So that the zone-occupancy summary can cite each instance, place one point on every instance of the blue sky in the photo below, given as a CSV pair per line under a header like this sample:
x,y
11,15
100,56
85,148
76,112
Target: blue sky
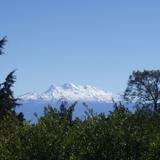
x,y
96,42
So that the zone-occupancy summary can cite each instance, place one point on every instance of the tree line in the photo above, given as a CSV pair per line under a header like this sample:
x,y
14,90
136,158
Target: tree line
x,y
121,135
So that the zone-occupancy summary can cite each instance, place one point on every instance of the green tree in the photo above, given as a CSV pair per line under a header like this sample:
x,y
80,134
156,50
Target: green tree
x,y
2,43
144,88
7,101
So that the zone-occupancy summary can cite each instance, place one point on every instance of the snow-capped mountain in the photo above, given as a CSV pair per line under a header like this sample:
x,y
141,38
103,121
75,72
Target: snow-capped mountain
x,y
97,99
71,92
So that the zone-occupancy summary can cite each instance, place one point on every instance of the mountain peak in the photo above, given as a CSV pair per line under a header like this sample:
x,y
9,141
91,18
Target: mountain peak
x,y
72,92
69,86
51,88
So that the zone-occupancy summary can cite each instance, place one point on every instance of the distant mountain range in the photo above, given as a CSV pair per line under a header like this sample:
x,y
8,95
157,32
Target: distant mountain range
x,y
97,99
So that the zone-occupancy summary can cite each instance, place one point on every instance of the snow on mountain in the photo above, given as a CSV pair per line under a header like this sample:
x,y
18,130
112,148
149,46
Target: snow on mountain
x,y
97,99
71,92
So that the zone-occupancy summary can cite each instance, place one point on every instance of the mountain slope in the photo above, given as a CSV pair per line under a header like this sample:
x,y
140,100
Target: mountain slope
x,y
72,92
97,99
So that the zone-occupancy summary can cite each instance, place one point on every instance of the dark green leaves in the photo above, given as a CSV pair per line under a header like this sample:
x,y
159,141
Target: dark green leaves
x,y
2,43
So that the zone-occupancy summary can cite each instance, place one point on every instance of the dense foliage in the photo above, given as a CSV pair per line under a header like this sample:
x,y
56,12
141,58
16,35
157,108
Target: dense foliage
x,y
120,135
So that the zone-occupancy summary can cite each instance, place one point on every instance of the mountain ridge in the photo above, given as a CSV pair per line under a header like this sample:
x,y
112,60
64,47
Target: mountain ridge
x,y
95,98
72,92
